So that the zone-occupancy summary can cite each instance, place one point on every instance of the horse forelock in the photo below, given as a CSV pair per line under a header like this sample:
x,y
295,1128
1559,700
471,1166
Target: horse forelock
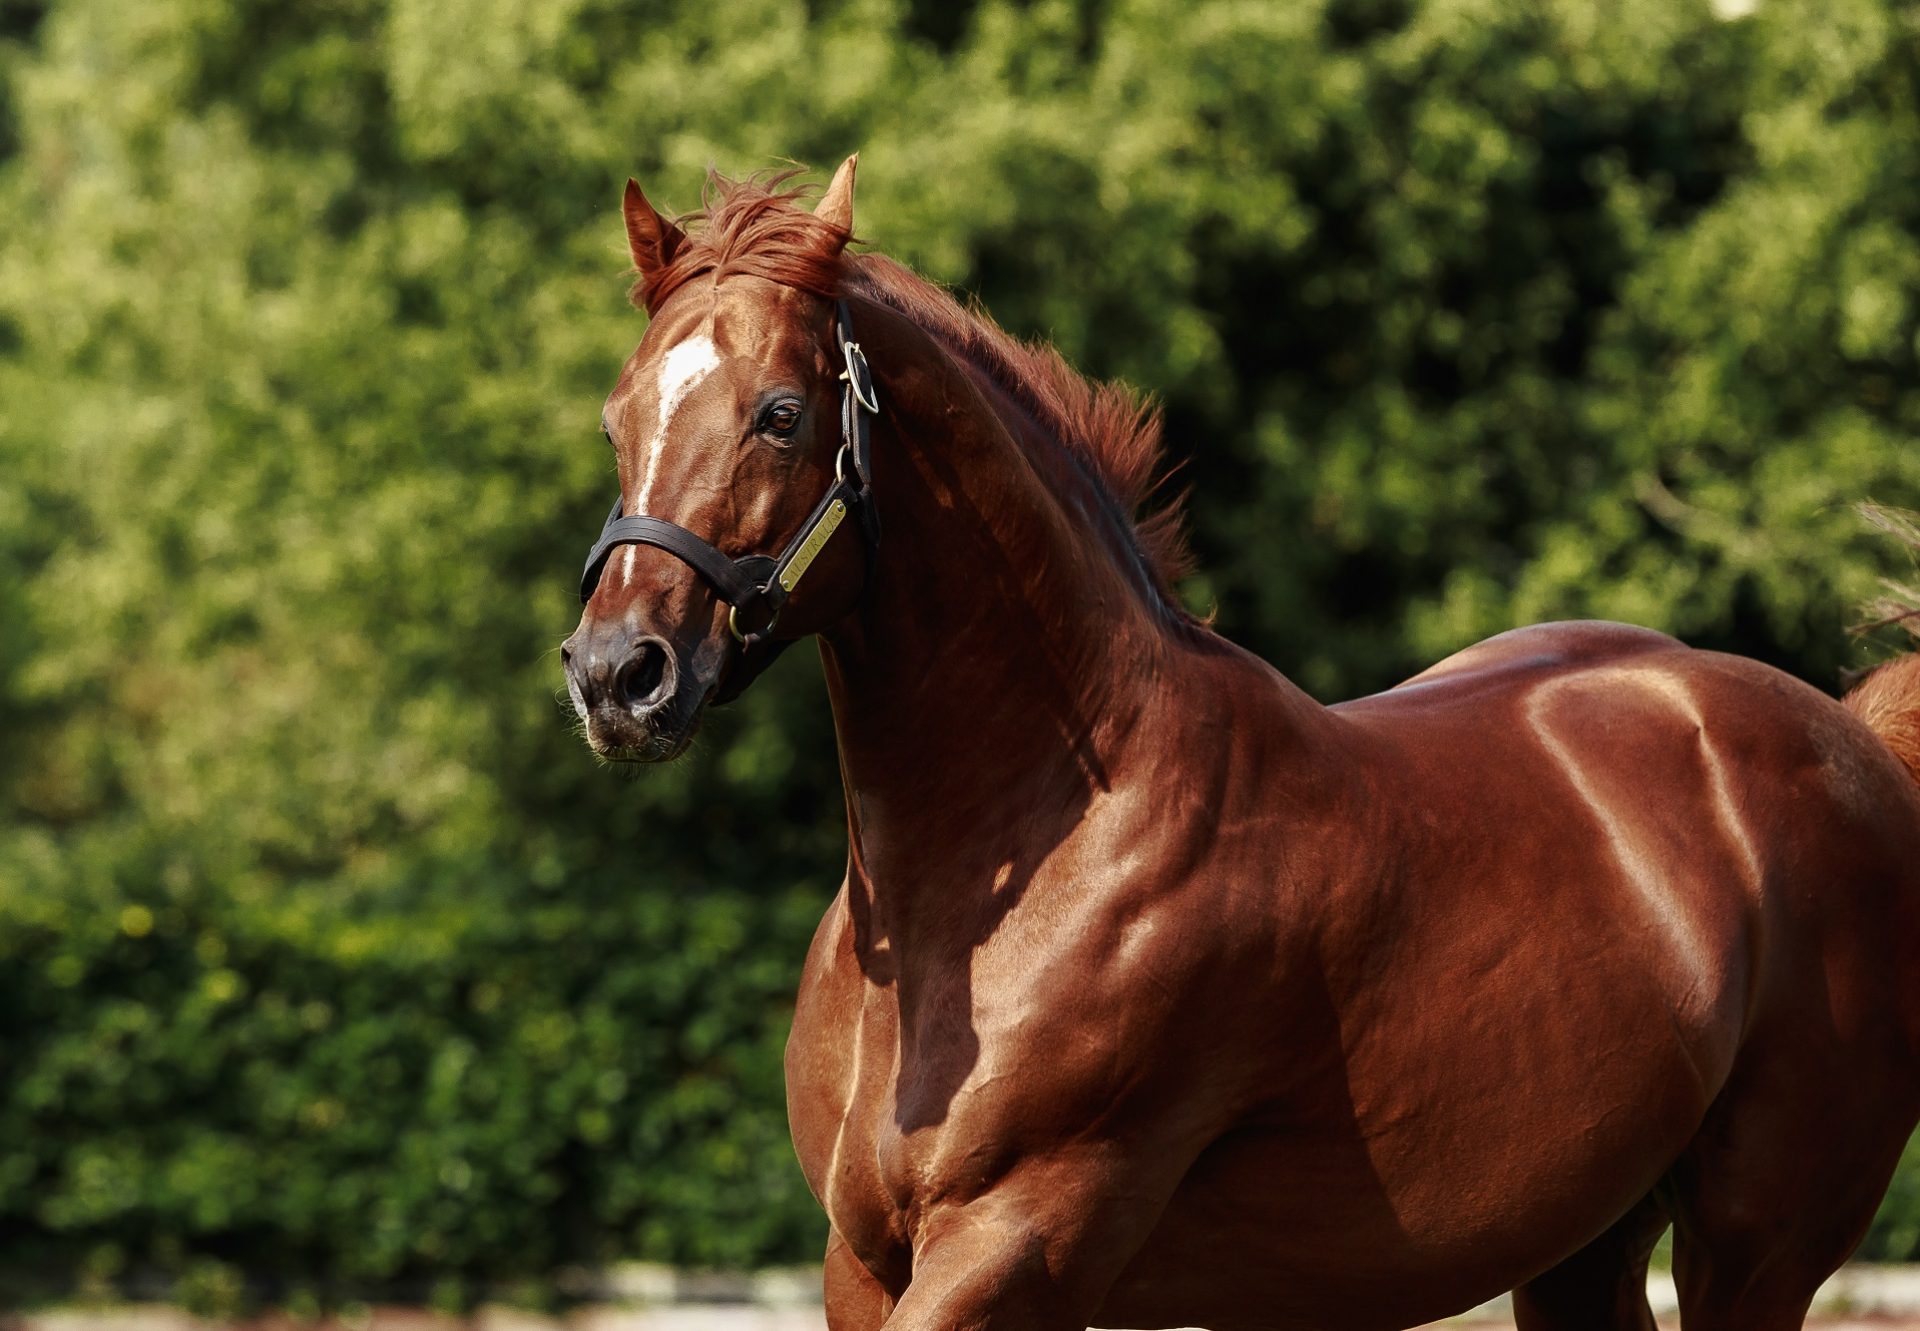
x,y
756,227
750,228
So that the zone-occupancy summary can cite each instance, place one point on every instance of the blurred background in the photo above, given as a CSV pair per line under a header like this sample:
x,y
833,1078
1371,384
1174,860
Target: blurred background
x,y
331,963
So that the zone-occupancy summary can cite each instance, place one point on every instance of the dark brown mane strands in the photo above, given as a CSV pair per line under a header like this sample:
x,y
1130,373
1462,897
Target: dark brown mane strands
x,y
754,227
1107,425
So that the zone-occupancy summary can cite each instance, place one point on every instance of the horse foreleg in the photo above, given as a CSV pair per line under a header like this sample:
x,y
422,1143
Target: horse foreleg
x,y
1035,1257
855,1301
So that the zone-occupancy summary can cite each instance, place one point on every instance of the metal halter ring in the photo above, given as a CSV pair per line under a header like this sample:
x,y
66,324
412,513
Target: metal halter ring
x,y
733,623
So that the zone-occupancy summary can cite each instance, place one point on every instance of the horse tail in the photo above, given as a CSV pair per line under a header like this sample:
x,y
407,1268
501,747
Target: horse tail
x,y
1888,700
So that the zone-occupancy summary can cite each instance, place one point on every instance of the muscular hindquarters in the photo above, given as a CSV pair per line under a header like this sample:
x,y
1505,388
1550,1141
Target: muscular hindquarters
x,y
1711,946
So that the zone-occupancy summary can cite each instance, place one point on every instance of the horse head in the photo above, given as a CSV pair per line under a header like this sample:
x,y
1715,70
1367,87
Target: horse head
x,y
739,429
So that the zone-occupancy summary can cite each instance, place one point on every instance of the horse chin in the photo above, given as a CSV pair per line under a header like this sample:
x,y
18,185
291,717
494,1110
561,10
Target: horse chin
x,y
656,740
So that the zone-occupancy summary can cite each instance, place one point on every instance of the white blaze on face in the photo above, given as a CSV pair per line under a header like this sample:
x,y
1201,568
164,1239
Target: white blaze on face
x,y
682,369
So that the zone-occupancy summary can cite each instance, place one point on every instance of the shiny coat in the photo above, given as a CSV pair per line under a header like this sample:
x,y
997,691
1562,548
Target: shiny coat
x,y
1159,994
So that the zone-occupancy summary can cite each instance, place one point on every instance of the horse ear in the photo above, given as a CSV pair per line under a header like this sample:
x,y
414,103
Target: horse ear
x,y
652,238
836,205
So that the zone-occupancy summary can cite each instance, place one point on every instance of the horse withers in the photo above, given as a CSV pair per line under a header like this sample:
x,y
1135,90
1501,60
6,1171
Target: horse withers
x,y
1158,994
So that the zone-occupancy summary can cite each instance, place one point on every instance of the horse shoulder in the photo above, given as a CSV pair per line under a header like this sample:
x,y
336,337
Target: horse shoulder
x,y
1118,1007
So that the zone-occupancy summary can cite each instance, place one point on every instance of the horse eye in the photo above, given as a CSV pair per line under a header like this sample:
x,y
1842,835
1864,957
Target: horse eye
x,y
782,418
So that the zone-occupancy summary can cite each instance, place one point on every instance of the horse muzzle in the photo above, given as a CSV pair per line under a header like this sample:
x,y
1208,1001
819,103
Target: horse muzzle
x,y
632,693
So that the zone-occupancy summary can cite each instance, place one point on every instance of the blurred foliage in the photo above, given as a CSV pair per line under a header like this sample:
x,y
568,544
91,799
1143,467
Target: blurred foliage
x,y
325,949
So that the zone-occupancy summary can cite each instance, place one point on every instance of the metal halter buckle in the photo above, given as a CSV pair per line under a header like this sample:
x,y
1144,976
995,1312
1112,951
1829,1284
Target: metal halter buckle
x,y
858,377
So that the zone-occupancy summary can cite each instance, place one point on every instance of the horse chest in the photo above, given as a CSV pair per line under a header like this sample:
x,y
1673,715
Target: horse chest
x,y
843,1131
884,1122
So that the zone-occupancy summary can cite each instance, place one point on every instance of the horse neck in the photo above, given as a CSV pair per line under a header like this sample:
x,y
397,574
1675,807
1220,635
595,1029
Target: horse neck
x,y
1004,651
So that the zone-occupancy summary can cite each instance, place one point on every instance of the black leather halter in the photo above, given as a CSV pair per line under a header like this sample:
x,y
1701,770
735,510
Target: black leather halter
x,y
757,586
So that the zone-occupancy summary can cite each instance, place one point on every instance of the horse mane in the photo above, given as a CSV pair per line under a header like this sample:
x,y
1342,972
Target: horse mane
x,y
755,227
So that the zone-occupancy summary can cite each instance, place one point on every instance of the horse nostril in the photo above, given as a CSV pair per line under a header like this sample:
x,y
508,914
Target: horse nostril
x,y
642,680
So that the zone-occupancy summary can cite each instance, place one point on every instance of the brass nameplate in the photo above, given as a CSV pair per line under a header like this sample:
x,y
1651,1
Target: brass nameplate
x,y
790,575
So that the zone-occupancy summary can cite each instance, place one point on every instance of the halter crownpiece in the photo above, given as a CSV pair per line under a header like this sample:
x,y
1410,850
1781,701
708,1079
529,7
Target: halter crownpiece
x,y
757,586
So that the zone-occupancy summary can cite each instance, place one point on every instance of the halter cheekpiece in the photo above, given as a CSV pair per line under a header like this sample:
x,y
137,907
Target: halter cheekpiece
x,y
757,586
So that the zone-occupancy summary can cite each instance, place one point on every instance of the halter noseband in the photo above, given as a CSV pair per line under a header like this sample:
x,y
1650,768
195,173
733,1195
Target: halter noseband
x,y
757,586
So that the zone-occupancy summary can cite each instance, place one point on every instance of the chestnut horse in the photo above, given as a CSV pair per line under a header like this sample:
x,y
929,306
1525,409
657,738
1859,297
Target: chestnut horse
x,y
1158,994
